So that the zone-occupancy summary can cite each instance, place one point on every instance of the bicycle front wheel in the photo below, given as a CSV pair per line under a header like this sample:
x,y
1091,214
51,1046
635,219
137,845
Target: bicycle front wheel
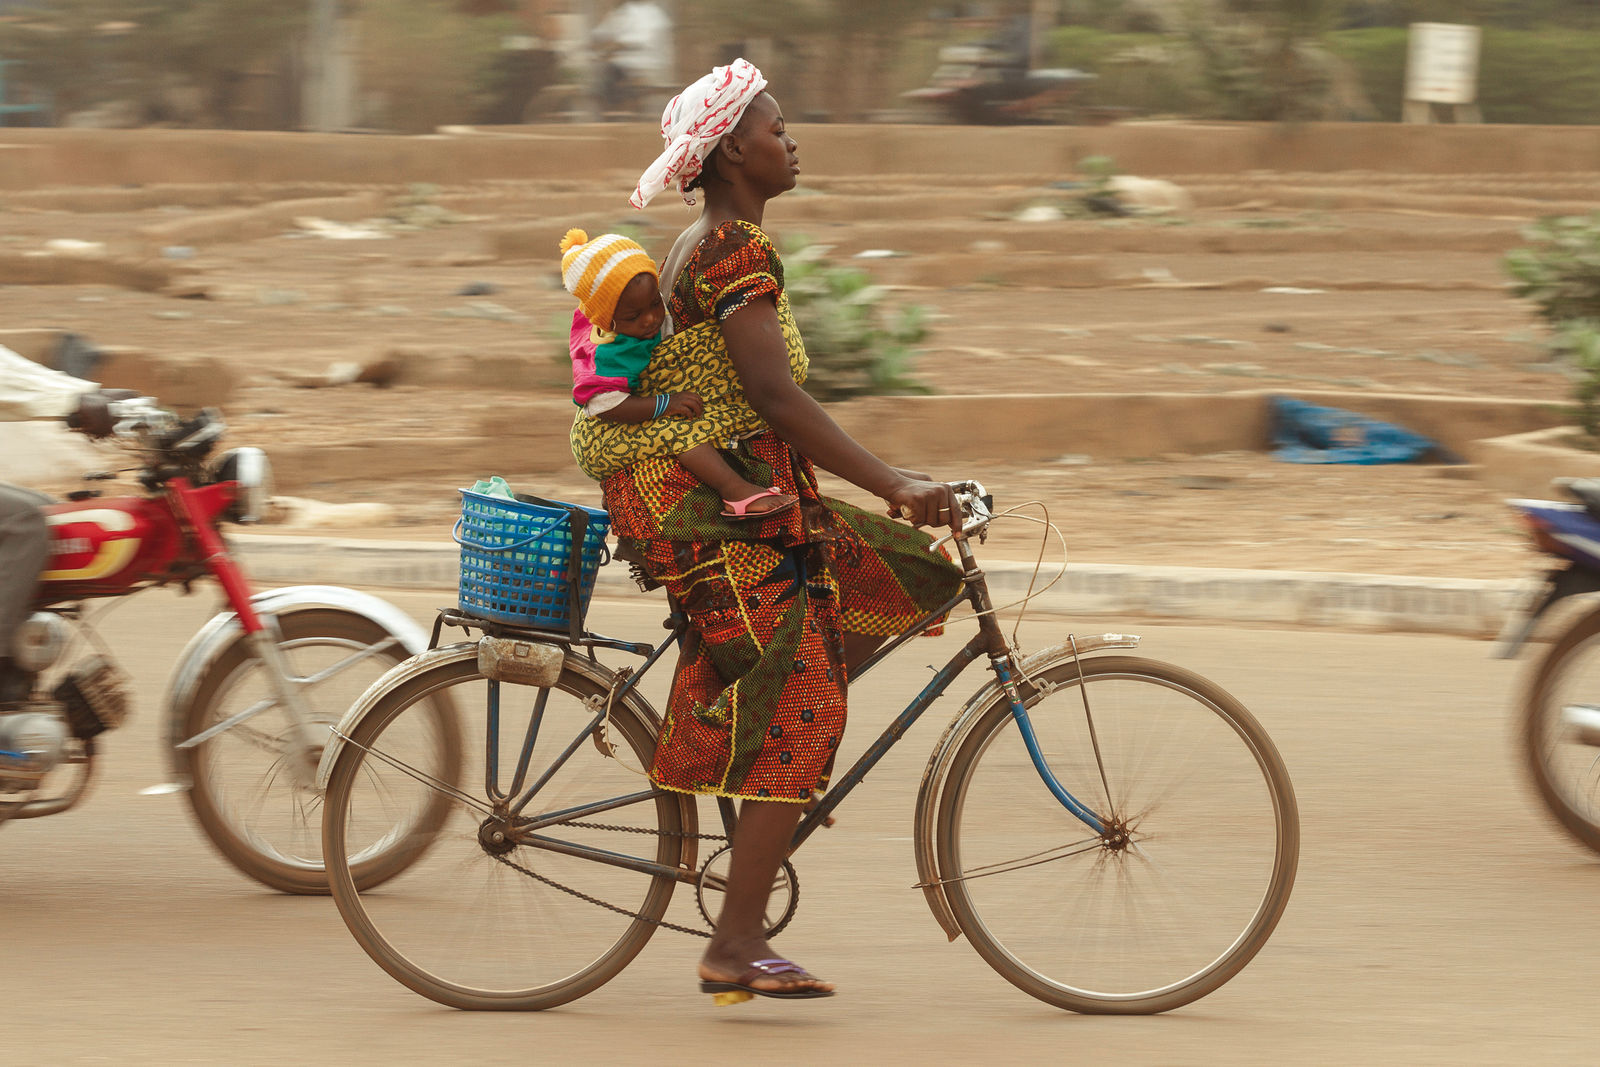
x,y
1188,878
508,909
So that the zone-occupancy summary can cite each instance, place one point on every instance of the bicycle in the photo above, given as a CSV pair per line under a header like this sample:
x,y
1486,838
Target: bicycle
x,y
529,897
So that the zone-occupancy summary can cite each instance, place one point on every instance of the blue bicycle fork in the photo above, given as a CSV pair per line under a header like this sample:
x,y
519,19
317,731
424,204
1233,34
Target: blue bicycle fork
x,y
1035,753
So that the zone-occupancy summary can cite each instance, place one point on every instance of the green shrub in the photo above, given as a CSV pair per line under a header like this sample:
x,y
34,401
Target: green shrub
x,y
1578,344
856,346
1560,274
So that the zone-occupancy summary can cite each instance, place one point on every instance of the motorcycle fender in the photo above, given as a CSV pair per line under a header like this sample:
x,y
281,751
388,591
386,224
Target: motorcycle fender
x,y
1559,584
933,777
224,628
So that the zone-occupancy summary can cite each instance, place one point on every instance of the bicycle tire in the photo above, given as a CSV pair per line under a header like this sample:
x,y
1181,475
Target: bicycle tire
x,y
990,792
1565,771
461,927
255,813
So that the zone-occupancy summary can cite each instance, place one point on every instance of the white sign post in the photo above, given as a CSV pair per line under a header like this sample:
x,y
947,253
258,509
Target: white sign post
x,y
1442,68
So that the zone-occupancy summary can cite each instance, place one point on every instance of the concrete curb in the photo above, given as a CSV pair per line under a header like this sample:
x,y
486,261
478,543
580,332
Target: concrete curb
x,y
1461,606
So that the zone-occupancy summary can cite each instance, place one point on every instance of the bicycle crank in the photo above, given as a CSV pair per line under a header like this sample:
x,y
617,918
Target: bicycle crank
x,y
713,880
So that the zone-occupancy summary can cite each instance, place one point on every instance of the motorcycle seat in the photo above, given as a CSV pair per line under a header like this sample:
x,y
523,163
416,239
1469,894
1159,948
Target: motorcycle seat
x,y
1585,491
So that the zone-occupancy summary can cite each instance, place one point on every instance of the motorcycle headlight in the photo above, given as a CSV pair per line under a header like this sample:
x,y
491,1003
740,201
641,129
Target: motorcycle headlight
x,y
251,469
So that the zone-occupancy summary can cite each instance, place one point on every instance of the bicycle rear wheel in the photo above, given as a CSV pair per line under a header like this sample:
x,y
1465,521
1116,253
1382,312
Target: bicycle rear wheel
x,y
482,923
1194,869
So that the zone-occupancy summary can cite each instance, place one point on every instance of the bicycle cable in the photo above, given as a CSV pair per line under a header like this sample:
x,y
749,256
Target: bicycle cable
x,y
1044,539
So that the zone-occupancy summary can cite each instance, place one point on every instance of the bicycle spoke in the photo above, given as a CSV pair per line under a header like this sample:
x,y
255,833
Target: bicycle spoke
x,y
444,788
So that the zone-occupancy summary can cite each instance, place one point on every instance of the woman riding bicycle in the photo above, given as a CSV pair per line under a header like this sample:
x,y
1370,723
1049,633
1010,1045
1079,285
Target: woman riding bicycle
x,y
780,608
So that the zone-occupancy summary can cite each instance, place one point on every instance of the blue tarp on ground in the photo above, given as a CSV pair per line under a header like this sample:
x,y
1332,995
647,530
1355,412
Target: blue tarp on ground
x,y
1307,433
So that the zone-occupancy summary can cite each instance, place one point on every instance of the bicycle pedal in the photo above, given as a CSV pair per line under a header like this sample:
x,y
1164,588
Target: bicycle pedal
x,y
722,1000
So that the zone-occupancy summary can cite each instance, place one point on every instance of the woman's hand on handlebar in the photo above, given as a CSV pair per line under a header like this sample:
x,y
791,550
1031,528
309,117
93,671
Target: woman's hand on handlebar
x,y
923,502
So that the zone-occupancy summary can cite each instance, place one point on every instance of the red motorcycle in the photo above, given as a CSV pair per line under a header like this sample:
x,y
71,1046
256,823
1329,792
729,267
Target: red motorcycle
x,y
254,694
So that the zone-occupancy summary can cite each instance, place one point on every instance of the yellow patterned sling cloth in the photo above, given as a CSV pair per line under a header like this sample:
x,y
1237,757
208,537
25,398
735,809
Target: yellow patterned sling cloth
x,y
694,360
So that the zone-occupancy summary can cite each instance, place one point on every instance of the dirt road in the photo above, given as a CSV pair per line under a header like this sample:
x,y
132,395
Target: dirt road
x,y
1438,918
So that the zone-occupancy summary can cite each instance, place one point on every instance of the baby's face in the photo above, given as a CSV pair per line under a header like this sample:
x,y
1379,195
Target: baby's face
x,y
639,309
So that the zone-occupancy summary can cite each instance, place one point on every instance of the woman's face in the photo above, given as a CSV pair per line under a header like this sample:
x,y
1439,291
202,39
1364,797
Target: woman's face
x,y
768,153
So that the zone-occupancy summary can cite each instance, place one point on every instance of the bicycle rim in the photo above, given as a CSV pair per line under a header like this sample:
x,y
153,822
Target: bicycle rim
x,y
1560,753
479,926
1078,921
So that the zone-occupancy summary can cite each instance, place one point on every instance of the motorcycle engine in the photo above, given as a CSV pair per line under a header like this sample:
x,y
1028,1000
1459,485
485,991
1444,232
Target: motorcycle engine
x,y
33,739
94,695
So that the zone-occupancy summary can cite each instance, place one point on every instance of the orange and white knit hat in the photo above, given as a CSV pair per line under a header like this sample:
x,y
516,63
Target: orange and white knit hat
x,y
596,271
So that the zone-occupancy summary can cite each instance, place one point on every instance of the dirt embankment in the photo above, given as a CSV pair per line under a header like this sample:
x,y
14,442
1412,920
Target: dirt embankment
x,y
1353,283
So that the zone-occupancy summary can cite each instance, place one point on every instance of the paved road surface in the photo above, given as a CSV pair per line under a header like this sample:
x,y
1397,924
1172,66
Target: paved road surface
x,y
1438,918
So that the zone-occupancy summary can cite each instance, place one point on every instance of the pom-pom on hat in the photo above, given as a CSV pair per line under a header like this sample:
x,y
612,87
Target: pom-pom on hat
x,y
597,270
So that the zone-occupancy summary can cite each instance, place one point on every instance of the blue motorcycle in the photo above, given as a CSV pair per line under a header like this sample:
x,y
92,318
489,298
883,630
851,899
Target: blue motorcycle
x,y
1561,713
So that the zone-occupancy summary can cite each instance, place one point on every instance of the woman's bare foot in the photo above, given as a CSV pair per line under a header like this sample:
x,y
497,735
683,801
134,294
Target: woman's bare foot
x,y
739,962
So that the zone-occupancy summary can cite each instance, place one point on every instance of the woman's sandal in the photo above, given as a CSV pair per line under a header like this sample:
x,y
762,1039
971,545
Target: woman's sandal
x,y
740,509
725,993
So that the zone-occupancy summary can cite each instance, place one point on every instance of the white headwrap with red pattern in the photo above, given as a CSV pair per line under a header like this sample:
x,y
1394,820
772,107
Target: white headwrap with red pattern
x,y
692,124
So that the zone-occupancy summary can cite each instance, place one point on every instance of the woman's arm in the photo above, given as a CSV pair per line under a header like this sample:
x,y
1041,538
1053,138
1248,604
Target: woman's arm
x,y
761,359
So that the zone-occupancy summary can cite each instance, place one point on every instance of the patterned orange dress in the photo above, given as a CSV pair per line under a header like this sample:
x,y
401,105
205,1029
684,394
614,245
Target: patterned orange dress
x,y
758,703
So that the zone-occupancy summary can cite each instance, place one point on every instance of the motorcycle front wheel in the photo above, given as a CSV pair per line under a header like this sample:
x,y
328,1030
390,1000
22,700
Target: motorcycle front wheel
x,y
251,800
1561,730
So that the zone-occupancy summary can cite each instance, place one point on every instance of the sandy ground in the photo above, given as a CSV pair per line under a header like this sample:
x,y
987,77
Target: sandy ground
x,y
1386,300
1438,916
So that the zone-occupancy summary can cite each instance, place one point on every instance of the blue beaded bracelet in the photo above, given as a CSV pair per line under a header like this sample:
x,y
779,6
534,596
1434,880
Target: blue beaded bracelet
x,y
661,404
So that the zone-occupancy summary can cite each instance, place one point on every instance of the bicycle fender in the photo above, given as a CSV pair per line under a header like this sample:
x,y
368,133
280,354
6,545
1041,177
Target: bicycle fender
x,y
224,628
931,790
397,675
401,673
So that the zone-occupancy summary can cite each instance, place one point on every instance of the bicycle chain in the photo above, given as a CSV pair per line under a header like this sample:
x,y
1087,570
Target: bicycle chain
x,y
553,884
663,923
644,830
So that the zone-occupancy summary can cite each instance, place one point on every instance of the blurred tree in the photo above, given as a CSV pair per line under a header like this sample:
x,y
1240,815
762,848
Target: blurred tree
x,y
1266,60
143,52
856,42
425,65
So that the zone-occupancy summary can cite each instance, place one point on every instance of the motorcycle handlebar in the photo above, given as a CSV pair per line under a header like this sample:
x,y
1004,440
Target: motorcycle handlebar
x,y
141,422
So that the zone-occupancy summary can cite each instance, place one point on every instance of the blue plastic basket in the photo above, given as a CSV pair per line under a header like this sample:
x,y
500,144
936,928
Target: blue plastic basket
x,y
518,563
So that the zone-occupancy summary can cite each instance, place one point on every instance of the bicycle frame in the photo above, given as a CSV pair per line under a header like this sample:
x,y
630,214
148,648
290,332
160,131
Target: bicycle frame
x,y
988,641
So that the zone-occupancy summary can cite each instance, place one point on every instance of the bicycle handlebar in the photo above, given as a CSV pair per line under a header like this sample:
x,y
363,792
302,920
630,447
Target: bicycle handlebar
x,y
976,504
